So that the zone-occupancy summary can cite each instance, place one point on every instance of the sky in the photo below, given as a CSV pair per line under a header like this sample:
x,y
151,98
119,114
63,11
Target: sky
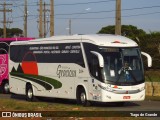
x,y
87,16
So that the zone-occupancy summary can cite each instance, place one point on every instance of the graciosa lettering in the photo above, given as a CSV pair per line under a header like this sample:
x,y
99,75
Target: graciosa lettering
x,y
65,72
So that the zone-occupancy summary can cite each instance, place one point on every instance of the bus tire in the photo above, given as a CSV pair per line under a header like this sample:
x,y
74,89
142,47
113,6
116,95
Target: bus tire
x,y
82,98
5,87
29,93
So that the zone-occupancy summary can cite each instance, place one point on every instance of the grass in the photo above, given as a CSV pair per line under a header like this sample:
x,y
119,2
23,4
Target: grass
x,y
153,98
51,105
54,106
12,104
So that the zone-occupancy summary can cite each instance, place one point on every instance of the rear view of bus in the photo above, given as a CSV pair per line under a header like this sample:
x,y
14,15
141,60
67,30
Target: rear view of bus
x,y
4,48
4,67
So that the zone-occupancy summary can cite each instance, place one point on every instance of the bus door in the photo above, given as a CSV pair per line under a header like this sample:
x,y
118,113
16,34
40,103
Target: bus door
x,y
95,64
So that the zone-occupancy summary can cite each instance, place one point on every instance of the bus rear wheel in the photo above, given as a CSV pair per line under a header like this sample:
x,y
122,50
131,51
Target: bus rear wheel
x,y
29,93
82,98
5,87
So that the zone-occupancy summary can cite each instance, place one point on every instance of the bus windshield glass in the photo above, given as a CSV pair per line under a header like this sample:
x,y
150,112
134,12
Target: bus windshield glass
x,y
122,66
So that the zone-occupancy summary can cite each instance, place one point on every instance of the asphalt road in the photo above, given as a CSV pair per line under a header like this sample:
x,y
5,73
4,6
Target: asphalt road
x,y
128,106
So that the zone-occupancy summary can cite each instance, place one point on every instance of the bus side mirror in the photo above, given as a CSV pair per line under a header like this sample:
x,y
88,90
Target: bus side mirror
x,y
100,58
149,58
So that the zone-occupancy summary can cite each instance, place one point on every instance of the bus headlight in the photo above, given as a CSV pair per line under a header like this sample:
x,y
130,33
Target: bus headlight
x,y
109,89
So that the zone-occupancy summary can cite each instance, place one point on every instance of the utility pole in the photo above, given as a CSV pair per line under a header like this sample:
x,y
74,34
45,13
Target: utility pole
x,y
4,18
44,21
40,20
25,18
118,18
70,27
52,18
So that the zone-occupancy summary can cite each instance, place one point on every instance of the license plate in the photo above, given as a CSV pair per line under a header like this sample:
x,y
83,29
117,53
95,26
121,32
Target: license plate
x,y
126,97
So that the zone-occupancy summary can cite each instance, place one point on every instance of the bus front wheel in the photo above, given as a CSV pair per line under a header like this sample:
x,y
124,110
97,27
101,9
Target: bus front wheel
x,y
82,98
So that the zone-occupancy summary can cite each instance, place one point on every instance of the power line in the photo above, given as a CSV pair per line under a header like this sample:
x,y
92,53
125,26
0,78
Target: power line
x,y
146,7
84,3
127,9
17,5
133,15
142,14
67,4
35,17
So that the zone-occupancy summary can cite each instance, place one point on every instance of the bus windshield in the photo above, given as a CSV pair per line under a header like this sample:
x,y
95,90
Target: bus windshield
x,y
122,66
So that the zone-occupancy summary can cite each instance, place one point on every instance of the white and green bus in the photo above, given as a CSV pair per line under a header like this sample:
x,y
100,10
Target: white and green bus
x,y
102,68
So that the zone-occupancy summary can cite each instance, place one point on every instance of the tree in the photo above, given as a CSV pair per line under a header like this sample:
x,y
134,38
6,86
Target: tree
x,y
150,43
12,32
1,32
129,31
16,31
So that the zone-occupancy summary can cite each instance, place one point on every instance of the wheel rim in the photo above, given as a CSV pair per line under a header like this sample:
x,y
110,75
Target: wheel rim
x,y
83,97
30,93
6,87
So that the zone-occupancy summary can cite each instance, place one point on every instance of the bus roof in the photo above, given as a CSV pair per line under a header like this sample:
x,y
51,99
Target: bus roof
x,y
111,40
16,39
97,39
